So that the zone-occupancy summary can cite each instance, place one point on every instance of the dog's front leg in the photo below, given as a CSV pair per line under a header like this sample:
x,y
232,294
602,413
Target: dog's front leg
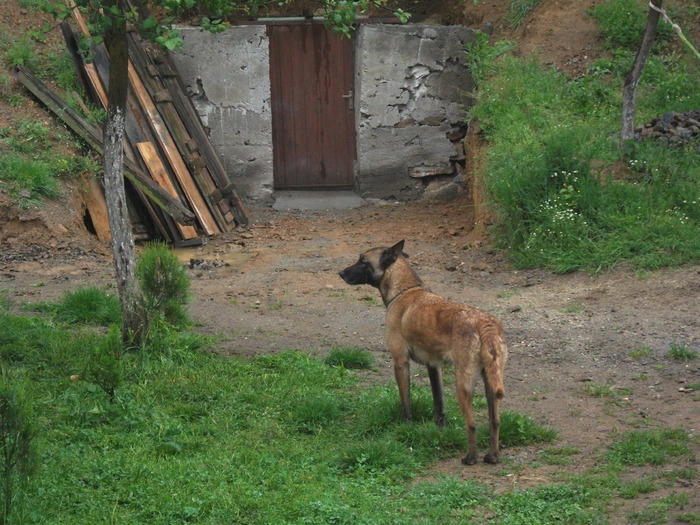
x,y
435,375
402,372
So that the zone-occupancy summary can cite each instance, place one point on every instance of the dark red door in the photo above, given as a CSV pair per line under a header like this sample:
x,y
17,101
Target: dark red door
x,y
313,124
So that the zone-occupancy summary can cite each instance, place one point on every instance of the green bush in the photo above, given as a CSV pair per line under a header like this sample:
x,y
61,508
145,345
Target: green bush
x,y
165,285
105,367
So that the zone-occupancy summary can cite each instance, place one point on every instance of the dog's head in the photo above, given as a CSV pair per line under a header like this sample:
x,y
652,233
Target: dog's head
x,y
370,267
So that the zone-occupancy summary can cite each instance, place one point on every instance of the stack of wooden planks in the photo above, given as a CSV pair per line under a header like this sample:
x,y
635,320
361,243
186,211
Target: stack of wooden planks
x,y
174,173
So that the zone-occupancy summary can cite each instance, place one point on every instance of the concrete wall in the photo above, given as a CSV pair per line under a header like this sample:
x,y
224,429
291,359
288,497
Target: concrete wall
x,y
411,88
227,76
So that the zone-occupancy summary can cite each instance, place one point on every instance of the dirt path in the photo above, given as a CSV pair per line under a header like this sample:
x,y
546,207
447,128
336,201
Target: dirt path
x,y
280,290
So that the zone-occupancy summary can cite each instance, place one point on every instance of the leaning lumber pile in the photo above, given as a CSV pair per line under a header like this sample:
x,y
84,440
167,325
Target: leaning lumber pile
x,y
175,177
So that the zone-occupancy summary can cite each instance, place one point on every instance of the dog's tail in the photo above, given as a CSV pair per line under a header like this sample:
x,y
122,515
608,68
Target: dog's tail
x,y
493,356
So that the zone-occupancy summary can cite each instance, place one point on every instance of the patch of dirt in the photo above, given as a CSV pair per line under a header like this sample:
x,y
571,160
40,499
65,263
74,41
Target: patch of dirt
x,y
275,286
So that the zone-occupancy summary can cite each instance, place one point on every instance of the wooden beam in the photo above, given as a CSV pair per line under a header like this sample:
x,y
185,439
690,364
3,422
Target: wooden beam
x,y
157,170
96,206
165,139
93,136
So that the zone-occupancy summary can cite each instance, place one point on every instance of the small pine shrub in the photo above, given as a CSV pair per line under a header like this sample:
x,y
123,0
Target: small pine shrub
x,y
165,285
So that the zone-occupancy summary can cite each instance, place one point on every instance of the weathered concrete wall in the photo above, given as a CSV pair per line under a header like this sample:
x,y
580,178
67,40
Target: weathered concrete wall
x,y
413,87
228,78
410,84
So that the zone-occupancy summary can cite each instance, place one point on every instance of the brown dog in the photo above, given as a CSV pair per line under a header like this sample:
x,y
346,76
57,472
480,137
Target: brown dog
x,y
433,331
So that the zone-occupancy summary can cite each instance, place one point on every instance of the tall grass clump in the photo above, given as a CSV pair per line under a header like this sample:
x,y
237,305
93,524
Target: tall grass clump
x,y
28,182
89,305
518,11
622,23
561,197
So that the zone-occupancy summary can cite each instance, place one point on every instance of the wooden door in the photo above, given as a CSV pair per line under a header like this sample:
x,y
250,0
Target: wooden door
x,y
313,124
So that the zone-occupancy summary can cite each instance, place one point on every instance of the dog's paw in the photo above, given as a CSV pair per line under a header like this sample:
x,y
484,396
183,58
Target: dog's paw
x,y
469,459
491,458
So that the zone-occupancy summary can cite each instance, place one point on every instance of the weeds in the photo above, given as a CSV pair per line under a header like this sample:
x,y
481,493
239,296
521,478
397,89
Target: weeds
x,y
548,167
649,447
351,358
518,10
18,449
84,306
681,353
642,351
27,182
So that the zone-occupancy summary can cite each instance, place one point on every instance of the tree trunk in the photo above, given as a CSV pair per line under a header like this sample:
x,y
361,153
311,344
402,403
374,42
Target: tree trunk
x,y
122,237
629,89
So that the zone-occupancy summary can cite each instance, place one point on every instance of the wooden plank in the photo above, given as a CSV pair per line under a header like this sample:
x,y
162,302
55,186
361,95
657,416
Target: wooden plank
x,y
155,167
182,173
93,136
172,81
178,132
95,87
96,206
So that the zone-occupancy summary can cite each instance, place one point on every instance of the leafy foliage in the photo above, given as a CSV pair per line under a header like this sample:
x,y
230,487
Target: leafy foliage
x,y
104,367
552,172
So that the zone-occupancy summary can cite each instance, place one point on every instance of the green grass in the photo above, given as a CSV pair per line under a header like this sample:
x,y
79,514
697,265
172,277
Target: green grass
x,y
89,305
28,182
179,434
649,447
518,10
552,147
682,353
640,352
357,358
622,23
182,435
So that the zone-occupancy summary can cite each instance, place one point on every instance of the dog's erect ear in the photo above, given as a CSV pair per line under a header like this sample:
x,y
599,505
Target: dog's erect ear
x,y
391,254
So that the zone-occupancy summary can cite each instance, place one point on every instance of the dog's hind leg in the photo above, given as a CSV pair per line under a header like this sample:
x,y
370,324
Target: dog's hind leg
x,y
465,395
435,375
494,422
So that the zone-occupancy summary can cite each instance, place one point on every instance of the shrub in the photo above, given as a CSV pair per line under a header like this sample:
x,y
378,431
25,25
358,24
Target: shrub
x,y
165,285
105,367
